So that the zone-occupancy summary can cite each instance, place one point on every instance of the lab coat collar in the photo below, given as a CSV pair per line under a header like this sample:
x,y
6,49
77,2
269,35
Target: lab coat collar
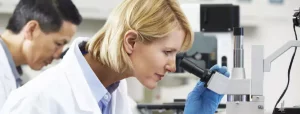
x,y
94,83
11,63
83,95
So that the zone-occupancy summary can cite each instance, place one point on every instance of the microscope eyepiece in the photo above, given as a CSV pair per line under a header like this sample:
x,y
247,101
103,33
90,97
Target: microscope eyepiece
x,y
191,67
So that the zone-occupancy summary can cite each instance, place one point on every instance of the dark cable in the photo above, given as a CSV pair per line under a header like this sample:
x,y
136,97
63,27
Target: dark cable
x,y
289,72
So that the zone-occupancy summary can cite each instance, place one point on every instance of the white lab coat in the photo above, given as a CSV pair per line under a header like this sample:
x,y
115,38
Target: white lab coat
x,y
63,89
7,79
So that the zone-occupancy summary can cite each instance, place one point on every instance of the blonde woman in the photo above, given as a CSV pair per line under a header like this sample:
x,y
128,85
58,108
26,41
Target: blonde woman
x,y
140,39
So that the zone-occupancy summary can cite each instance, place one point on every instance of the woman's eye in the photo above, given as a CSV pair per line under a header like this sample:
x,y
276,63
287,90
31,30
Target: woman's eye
x,y
58,44
168,52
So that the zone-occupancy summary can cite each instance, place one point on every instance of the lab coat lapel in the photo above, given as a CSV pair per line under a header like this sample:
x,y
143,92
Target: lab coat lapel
x,y
74,74
120,105
113,103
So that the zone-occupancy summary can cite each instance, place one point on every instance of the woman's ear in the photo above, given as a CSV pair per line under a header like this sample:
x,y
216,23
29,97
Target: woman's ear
x,y
130,39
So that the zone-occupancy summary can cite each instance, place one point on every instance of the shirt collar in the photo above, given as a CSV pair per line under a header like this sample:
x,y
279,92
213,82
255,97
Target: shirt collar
x,y
113,87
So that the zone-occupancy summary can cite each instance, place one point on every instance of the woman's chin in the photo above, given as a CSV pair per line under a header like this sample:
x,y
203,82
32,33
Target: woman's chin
x,y
150,86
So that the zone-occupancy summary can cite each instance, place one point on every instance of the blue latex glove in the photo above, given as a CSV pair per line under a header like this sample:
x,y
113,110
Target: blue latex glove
x,y
202,100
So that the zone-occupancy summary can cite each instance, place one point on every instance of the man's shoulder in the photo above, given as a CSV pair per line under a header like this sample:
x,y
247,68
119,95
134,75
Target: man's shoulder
x,y
40,100
48,82
56,69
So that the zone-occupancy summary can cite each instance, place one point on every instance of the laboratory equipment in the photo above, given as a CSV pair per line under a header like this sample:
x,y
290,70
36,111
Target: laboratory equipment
x,y
245,96
213,80
177,107
239,87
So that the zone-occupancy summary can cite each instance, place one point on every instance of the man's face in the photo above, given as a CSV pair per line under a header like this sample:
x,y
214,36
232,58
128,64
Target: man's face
x,y
41,48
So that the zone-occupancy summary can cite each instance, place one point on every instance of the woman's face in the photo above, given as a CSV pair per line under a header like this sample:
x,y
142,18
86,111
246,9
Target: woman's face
x,y
153,60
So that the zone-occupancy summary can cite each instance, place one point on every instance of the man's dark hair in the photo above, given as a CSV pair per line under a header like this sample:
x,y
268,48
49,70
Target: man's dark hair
x,y
50,14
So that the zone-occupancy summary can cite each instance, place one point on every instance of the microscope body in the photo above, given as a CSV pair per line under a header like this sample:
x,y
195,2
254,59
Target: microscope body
x,y
237,87
245,95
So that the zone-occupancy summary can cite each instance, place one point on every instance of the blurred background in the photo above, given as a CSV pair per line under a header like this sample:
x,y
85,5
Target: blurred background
x,y
266,22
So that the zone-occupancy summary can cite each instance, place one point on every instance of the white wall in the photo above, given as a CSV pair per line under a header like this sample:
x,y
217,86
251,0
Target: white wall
x,y
3,21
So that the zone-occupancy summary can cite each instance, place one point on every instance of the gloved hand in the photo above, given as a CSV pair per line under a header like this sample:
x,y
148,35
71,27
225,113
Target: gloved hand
x,y
202,100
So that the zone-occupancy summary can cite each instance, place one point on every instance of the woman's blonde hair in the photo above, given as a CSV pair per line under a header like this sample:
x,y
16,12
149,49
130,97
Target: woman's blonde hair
x,y
152,19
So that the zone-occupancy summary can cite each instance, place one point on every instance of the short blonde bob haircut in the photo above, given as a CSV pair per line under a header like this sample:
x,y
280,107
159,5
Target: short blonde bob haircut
x,y
152,19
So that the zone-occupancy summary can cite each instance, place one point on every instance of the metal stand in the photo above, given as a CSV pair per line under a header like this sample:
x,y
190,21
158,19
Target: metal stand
x,y
177,107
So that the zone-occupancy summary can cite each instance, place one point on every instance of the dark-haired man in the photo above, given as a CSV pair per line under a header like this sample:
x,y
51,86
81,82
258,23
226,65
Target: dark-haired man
x,y
35,35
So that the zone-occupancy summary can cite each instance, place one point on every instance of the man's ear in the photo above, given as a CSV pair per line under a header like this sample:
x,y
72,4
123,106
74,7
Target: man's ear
x,y
130,39
31,30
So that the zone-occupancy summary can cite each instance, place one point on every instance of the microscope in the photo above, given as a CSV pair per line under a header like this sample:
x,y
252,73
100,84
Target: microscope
x,y
245,96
